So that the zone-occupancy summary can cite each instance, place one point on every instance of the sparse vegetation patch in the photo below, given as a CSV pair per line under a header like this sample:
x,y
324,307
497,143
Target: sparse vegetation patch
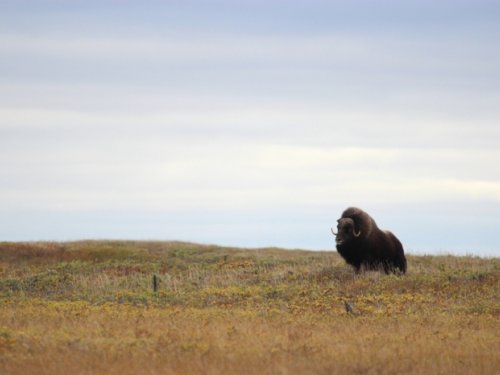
x,y
93,307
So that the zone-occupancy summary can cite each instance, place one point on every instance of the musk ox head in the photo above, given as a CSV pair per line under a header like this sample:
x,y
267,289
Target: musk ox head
x,y
346,231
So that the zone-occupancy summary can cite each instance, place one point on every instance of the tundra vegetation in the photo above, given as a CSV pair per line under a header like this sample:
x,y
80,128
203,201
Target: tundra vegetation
x,y
90,308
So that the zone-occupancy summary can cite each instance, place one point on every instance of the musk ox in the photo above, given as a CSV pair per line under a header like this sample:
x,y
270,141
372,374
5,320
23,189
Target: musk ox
x,y
362,244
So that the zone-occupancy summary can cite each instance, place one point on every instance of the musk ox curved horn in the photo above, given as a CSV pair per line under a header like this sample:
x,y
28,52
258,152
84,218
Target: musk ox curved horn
x,y
356,234
333,232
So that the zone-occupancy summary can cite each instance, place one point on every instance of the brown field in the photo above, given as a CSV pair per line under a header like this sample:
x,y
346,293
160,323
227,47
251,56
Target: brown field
x,y
90,308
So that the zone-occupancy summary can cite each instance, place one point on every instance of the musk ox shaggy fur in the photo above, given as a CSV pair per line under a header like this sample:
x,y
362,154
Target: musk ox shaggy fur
x,y
363,245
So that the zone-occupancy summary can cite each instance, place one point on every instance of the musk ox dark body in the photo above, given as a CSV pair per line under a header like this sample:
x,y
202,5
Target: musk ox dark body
x,y
363,245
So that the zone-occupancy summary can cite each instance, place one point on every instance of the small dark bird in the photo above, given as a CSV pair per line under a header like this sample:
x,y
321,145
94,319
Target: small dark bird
x,y
349,308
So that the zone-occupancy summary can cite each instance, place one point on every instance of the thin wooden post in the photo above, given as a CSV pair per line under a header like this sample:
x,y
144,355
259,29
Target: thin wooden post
x,y
155,283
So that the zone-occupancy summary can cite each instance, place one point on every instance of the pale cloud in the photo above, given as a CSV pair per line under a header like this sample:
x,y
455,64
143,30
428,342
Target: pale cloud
x,y
163,174
320,126
187,48
386,50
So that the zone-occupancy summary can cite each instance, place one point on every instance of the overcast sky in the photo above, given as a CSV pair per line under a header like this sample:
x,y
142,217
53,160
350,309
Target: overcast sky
x,y
251,123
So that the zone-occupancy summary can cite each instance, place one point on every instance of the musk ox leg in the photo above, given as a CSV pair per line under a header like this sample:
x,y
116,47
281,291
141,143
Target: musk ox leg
x,y
401,264
388,268
357,268
395,267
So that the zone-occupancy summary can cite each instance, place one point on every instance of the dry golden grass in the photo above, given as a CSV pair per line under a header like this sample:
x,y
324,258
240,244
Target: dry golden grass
x,y
89,308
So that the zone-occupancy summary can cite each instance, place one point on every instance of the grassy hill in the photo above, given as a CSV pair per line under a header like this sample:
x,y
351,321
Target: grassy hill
x,y
91,307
